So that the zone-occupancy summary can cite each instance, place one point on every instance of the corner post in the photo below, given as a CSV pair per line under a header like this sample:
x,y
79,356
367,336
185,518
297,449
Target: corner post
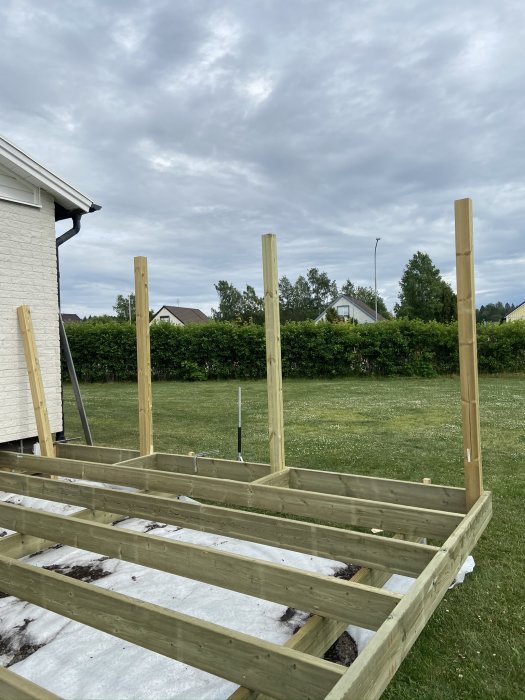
x,y
273,352
143,355
468,353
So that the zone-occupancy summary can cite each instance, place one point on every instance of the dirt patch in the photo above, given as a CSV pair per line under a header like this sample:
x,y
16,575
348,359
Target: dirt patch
x,y
16,645
82,572
154,526
41,551
343,651
347,572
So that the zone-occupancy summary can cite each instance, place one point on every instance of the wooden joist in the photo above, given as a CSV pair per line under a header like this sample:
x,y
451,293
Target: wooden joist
x,y
14,687
321,540
356,603
94,453
343,510
264,666
409,493
375,666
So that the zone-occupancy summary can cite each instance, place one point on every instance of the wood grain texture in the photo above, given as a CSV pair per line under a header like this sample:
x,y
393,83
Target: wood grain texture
x,y
468,353
267,667
14,687
356,603
143,356
274,377
321,540
376,665
342,510
408,493
38,396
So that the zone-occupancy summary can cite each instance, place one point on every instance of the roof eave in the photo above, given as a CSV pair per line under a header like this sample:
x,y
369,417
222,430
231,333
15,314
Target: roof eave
x,y
28,169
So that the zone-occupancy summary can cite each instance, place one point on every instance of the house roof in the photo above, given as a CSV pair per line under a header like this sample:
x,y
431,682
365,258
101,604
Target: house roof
x,y
24,167
185,315
356,302
70,317
517,307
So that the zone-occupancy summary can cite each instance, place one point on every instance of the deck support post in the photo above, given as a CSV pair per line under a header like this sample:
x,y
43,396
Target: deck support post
x,y
143,355
273,352
468,353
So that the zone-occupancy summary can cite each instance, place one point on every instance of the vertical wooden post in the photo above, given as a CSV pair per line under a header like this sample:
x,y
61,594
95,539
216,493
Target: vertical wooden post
x,y
35,382
273,352
468,353
143,355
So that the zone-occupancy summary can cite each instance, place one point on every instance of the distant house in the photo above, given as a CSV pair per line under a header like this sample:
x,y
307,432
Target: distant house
x,y
518,314
71,318
351,310
179,315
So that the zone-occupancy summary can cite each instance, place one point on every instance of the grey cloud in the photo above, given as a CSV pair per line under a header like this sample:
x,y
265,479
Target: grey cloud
x,y
201,125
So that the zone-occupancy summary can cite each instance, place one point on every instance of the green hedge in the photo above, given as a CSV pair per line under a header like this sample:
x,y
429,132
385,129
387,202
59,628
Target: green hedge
x,y
106,351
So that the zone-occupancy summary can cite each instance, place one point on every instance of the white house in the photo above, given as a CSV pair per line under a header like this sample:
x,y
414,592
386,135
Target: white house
x,y
179,315
351,310
518,314
31,200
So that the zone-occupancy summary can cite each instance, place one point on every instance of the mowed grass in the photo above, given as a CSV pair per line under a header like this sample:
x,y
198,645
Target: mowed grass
x,y
473,647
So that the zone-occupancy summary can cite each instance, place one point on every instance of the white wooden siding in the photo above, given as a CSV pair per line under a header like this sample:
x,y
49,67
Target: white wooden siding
x,y
28,276
16,190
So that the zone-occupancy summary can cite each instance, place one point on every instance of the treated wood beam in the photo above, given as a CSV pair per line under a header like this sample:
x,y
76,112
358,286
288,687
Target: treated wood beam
x,y
321,540
15,687
94,453
468,352
409,493
274,378
36,385
143,355
357,604
319,633
373,669
267,667
342,510
209,466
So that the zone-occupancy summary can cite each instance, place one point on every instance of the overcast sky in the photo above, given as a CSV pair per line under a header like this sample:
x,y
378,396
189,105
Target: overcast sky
x,y
198,126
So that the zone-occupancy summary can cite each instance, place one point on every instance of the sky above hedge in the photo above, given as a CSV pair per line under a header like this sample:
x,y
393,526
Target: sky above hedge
x,y
200,125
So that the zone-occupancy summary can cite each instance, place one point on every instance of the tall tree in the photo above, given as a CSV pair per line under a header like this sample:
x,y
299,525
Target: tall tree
x,y
252,309
323,290
230,302
124,307
494,312
423,293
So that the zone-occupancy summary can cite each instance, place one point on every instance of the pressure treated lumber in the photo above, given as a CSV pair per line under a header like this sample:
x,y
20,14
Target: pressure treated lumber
x,y
342,510
208,466
375,666
94,453
143,355
468,352
343,545
408,493
357,604
35,381
274,377
238,657
318,633
15,687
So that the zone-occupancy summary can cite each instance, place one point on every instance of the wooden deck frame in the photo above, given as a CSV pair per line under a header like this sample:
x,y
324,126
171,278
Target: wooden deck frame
x,y
263,670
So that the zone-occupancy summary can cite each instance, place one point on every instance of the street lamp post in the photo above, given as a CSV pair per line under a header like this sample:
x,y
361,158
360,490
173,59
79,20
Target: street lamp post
x,y
375,273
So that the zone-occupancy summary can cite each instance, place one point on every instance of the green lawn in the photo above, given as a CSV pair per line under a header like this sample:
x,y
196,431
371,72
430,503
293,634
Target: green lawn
x,y
402,428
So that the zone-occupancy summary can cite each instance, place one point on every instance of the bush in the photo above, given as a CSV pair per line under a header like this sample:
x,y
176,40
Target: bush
x,y
221,350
